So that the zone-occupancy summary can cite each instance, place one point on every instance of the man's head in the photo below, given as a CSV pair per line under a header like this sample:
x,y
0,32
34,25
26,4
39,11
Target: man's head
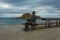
x,y
33,12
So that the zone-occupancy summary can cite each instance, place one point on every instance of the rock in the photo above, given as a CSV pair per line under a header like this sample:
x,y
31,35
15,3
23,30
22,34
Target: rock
x,y
28,15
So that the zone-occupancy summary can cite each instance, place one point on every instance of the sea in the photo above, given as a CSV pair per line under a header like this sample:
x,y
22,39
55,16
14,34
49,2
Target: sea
x,y
12,21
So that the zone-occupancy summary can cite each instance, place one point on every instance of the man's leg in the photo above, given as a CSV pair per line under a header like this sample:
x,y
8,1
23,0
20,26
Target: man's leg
x,y
26,26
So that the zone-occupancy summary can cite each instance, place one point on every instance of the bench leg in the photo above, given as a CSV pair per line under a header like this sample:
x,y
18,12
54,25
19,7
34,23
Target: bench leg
x,y
46,24
59,22
56,22
33,27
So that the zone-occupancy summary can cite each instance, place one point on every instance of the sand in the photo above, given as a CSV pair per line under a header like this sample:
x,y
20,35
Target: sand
x,y
15,32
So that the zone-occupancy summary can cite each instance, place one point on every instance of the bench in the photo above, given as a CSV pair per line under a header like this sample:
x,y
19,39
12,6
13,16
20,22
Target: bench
x,y
46,24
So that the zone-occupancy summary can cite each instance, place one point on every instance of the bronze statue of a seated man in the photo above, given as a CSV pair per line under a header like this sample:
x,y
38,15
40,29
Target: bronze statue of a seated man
x,y
31,22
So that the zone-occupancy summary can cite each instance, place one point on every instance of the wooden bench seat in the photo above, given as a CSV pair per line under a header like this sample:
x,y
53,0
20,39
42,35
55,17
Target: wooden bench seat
x,y
44,23
35,24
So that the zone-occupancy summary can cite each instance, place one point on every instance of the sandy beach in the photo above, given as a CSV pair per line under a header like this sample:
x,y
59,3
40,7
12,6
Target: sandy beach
x,y
15,32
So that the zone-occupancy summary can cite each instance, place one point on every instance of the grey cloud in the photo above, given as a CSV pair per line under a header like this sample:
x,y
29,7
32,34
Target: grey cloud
x,y
31,4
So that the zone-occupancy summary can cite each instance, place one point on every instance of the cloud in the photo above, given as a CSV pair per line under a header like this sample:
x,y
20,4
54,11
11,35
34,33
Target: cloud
x,y
42,7
8,8
47,11
4,5
10,15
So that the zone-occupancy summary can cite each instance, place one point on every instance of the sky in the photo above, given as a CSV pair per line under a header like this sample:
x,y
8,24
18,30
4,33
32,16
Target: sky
x,y
16,8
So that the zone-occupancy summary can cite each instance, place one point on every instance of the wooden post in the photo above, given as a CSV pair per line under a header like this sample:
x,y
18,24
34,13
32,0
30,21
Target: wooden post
x,y
59,22
48,23
56,22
